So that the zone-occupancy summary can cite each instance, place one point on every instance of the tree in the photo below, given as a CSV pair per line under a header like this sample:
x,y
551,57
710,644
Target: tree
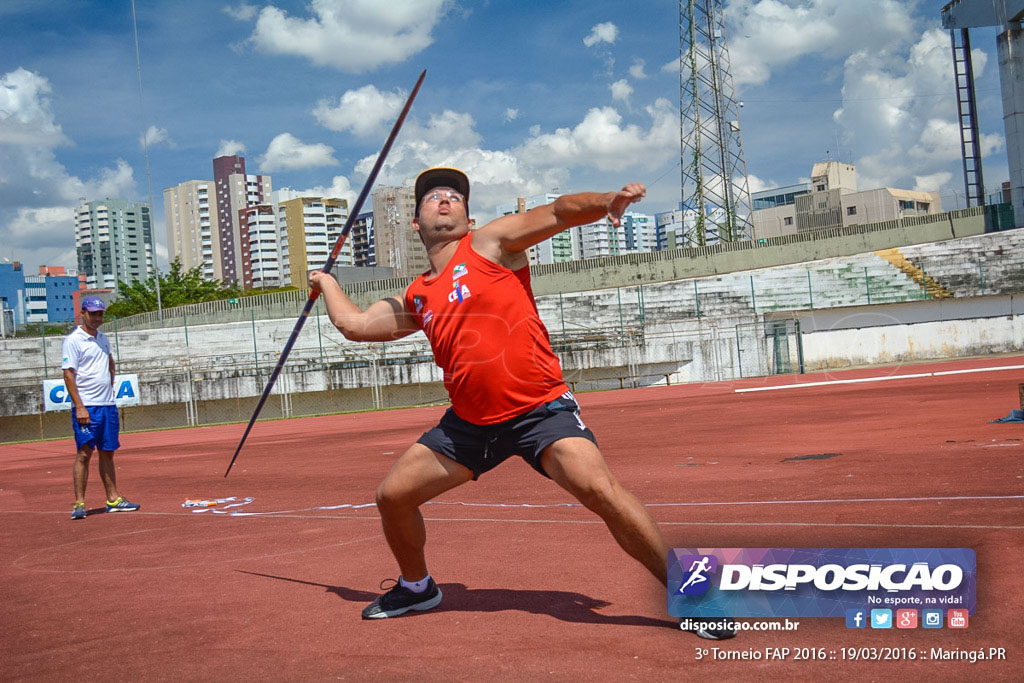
x,y
177,288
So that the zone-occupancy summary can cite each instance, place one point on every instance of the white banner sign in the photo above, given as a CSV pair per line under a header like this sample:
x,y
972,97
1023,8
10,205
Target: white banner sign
x,y
56,396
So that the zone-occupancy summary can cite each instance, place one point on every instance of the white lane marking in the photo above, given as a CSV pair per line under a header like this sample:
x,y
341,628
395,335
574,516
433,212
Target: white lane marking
x,y
883,378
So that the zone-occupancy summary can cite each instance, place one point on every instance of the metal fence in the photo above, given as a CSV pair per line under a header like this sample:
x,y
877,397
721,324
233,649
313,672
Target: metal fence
x,y
328,375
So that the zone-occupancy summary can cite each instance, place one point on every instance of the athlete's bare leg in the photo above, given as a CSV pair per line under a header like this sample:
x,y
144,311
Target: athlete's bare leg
x,y
577,465
419,475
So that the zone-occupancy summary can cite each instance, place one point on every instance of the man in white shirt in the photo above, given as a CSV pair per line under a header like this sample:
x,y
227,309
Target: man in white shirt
x,y
89,375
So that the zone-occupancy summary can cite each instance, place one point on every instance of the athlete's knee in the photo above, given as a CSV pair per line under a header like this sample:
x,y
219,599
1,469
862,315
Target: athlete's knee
x,y
597,493
391,496
84,456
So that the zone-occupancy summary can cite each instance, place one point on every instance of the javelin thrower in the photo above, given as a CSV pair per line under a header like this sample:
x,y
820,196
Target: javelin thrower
x,y
508,396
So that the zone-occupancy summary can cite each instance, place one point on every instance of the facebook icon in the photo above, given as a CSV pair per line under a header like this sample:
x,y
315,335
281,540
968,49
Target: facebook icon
x,y
856,618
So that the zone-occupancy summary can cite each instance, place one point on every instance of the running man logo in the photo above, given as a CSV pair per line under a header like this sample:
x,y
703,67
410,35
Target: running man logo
x,y
696,579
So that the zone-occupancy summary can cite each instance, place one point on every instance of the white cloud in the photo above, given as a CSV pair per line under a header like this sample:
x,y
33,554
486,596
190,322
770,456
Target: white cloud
x,y
602,33
229,148
755,184
353,36
242,11
365,112
286,152
37,195
51,226
117,182
892,114
511,115
932,182
155,136
26,117
602,141
621,90
767,34
340,188
637,70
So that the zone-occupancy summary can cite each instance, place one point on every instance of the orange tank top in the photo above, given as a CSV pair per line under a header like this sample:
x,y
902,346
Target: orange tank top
x,y
483,326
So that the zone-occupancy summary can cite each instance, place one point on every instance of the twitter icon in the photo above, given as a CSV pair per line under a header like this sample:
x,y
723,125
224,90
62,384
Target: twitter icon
x,y
881,618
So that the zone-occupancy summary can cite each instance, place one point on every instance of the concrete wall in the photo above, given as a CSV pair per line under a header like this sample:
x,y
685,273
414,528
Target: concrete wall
x,y
625,270
912,331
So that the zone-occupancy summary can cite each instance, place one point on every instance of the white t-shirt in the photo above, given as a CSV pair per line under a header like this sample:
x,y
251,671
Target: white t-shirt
x,y
89,357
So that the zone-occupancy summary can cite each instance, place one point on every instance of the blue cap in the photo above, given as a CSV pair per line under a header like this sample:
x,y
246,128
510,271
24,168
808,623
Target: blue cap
x,y
93,303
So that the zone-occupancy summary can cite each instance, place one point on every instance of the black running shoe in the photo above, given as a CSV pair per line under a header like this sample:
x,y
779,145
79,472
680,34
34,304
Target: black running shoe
x,y
400,600
710,628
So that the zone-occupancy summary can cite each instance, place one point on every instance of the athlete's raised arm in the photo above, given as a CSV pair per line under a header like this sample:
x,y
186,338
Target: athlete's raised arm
x,y
383,320
518,232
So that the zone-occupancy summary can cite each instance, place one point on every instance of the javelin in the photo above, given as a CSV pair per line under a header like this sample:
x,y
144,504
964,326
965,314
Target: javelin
x,y
313,293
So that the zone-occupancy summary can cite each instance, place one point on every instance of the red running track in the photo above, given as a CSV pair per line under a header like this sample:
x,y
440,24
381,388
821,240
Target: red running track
x,y
530,592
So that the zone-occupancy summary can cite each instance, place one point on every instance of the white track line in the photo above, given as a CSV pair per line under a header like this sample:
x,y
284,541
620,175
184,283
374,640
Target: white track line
x,y
350,506
884,378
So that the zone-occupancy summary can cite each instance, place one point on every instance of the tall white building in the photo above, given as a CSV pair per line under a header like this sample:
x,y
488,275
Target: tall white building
x,y
193,233
264,264
114,241
599,238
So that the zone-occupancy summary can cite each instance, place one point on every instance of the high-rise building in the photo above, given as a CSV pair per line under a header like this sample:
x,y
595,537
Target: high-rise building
x,y
635,232
639,232
263,263
193,236
308,229
364,243
599,238
398,246
114,241
236,190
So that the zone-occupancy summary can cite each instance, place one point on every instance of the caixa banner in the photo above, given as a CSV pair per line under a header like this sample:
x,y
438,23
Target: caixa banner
x,y
816,582
56,396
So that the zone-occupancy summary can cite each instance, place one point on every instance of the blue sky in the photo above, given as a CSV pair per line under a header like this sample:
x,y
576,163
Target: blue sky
x,y
527,97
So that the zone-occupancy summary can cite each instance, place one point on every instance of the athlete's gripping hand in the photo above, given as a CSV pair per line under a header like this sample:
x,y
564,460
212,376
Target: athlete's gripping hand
x,y
630,194
314,280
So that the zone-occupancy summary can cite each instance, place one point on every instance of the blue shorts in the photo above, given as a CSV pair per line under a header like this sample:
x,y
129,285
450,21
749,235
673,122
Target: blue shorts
x,y
102,430
483,447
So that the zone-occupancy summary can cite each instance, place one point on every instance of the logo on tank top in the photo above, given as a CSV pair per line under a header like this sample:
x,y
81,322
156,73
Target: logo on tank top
x,y
459,271
418,302
458,293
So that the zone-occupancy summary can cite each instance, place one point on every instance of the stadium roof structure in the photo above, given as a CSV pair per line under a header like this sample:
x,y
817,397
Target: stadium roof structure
x,y
977,13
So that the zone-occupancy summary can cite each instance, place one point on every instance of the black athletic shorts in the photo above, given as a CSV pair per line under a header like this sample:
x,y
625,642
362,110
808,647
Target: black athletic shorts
x,y
483,447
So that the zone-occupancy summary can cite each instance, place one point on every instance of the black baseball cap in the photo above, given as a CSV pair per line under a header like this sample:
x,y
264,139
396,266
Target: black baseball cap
x,y
441,177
